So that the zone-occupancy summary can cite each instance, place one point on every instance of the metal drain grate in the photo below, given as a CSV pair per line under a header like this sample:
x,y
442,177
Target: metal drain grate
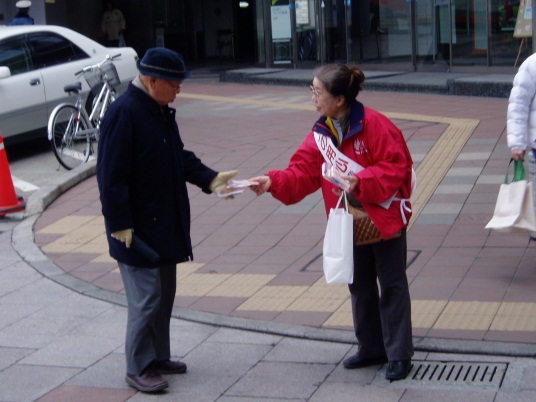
x,y
484,374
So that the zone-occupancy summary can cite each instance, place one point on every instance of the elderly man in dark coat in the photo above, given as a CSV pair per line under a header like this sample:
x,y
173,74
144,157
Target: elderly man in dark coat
x,y
142,170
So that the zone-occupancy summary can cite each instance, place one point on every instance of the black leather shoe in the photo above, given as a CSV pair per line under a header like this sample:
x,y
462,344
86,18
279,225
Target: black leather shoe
x,y
169,367
398,370
149,381
355,361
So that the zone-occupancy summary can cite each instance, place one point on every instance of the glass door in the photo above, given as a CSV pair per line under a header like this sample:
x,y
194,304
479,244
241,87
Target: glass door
x,y
469,32
432,33
306,31
365,34
511,32
394,31
335,30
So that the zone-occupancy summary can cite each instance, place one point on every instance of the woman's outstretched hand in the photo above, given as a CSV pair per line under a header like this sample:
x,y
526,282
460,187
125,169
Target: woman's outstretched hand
x,y
264,184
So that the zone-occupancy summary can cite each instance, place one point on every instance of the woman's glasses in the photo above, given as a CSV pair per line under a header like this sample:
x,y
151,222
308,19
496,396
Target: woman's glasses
x,y
315,91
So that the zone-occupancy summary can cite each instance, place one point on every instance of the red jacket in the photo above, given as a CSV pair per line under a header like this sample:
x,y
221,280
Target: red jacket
x,y
375,143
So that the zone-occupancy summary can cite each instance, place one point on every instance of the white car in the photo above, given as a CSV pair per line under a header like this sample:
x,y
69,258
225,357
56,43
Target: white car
x,y
36,62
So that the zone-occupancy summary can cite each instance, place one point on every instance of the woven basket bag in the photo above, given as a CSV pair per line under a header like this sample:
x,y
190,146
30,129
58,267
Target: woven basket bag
x,y
365,232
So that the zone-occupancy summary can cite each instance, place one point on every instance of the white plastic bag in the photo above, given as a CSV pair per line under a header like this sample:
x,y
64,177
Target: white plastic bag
x,y
514,210
338,252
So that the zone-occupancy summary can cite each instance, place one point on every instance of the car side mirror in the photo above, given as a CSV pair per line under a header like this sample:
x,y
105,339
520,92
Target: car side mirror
x,y
4,72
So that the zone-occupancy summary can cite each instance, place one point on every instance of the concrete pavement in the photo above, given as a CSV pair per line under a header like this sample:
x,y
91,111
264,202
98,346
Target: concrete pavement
x,y
254,318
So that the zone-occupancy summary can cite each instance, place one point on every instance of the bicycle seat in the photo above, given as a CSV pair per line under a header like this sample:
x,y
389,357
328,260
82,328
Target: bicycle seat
x,y
76,87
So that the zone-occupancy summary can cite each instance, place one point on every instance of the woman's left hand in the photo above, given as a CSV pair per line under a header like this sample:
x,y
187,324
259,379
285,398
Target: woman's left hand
x,y
352,180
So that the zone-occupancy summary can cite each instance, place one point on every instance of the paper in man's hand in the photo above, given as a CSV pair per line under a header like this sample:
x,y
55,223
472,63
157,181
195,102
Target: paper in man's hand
x,y
235,187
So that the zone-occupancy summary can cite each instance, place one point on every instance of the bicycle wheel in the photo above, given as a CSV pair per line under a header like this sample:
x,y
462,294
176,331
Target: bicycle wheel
x,y
70,139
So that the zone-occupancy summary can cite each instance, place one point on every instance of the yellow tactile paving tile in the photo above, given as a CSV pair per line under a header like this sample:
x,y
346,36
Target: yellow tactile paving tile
x,y
515,323
103,258
520,316
339,292
66,224
467,315
273,298
186,268
95,245
424,313
322,285
68,243
342,317
77,231
471,322
199,284
241,285
89,248
320,297
472,308
310,303
460,316
278,104
60,247
517,309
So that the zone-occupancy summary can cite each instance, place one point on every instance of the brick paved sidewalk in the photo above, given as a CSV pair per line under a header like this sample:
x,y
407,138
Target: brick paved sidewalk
x,y
255,258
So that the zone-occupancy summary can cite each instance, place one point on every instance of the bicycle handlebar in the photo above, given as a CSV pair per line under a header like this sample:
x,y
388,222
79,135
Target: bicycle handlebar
x,y
98,65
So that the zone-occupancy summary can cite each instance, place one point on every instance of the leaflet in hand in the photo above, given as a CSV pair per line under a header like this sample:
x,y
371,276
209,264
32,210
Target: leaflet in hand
x,y
330,174
235,187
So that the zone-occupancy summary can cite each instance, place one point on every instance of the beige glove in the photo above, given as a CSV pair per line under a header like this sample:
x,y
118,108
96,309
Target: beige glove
x,y
221,180
124,236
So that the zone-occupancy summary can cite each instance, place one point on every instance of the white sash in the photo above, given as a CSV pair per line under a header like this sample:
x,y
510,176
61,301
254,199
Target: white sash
x,y
348,167
336,158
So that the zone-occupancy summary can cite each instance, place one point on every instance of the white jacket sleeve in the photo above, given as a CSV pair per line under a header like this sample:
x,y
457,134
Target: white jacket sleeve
x,y
521,115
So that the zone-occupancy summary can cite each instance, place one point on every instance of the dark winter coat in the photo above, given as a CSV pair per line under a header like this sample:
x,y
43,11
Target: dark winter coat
x,y
142,170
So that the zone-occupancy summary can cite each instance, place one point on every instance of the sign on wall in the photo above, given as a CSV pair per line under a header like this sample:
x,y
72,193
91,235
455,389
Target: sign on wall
x,y
280,22
302,12
523,28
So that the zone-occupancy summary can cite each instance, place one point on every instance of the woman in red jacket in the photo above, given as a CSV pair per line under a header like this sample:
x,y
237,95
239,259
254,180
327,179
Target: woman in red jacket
x,y
367,148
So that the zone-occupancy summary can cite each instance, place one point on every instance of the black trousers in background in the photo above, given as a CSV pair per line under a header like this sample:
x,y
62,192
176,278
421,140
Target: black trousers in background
x,y
382,320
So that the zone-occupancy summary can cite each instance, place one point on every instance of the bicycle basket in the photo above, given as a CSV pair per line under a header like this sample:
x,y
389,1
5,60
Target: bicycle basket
x,y
93,77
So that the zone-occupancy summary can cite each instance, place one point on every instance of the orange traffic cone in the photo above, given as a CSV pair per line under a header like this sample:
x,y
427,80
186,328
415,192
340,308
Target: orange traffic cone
x,y
9,202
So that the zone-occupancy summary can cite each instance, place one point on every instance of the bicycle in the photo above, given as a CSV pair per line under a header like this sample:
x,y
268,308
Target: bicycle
x,y
72,129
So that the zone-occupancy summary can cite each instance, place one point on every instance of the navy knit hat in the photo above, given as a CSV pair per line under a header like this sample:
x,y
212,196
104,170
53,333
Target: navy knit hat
x,y
163,63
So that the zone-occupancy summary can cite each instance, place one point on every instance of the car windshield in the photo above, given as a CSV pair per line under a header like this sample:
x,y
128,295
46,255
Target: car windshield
x,y
15,54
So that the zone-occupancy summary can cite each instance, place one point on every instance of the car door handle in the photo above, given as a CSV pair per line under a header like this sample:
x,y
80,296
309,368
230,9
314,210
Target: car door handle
x,y
35,81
